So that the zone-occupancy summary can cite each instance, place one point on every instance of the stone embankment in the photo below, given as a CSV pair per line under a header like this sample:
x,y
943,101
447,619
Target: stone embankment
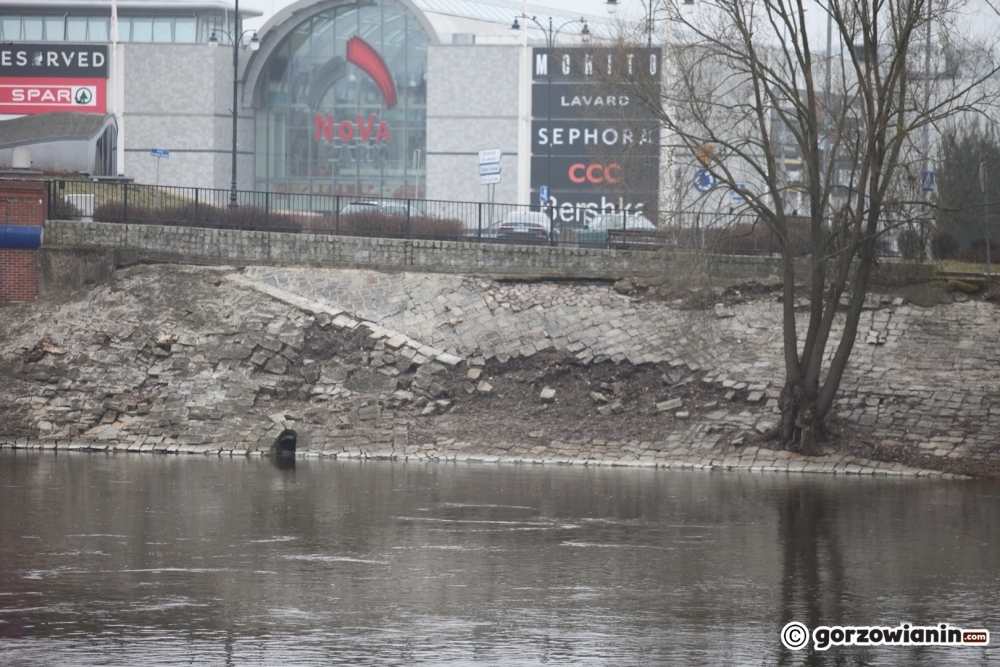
x,y
428,366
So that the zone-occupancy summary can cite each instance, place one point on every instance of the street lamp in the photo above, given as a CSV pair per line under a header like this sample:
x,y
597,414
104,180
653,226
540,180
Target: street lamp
x,y
551,33
213,42
649,6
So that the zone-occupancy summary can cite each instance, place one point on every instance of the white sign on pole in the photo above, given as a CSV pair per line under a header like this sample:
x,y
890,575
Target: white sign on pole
x,y
489,168
488,155
489,179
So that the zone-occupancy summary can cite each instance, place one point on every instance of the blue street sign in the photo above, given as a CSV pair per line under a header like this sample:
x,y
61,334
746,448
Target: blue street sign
x,y
927,182
704,181
159,152
543,194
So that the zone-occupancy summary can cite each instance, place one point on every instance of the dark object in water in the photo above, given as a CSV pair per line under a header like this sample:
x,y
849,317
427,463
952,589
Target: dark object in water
x,y
284,446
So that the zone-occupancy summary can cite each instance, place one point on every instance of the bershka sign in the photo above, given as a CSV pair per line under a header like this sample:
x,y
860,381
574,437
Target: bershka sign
x,y
88,61
30,96
592,145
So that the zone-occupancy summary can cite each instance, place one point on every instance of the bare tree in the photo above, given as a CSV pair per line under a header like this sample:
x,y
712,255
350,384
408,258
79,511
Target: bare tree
x,y
831,141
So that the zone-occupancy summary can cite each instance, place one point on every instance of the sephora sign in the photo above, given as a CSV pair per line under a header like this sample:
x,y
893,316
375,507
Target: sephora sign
x,y
592,144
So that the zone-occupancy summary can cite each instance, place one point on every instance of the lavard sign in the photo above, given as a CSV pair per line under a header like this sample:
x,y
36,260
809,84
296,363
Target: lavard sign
x,y
366,58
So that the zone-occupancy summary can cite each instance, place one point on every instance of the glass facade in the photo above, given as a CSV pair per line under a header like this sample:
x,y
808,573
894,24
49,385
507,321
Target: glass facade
x,y
185,29
325,125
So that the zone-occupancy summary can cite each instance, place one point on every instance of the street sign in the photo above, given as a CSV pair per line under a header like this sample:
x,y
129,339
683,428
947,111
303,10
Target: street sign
x,y
927,181
159,152
489,168
543,194
737,194
488,155
703,180
489,179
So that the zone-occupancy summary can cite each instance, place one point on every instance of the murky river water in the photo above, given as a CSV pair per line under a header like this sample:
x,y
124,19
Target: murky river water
x,y
163,560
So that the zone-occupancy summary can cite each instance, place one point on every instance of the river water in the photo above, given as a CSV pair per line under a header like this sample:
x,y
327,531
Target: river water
x,y
183,560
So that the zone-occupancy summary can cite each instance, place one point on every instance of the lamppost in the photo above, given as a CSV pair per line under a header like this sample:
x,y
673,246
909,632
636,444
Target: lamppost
x,y
650,7
551,33
213,42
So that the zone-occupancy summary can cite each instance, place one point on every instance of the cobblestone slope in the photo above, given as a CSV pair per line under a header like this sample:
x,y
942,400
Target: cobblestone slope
x,y
358,363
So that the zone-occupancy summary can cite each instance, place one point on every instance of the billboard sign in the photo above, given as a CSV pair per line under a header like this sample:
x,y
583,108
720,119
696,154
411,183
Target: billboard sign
x,y
592,144
65,61
42,95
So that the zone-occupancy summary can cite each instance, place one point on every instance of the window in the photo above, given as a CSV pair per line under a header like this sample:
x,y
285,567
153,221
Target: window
x,y
76,29
142,29
10,28
184,30
32,28
98,29
163,29
53,28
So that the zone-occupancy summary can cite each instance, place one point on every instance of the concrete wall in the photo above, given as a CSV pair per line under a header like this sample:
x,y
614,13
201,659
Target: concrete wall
x,y
223,246
178,97
69,268
471,104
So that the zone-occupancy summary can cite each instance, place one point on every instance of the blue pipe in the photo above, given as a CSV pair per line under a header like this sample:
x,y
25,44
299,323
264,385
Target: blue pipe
x,y
19,236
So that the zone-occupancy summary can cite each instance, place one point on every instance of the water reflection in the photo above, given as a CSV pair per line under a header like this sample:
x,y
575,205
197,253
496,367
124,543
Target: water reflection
x,y
143,560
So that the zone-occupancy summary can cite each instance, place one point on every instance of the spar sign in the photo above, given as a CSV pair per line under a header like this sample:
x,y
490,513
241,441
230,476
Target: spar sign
x,y
19,95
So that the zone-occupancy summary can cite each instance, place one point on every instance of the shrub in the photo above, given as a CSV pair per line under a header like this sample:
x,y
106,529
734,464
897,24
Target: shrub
x,y
63,210
944,245
910,244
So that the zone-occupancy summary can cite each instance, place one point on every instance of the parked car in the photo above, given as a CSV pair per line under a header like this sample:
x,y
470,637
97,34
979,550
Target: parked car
x,y
359,207
526,225
386,207
618,229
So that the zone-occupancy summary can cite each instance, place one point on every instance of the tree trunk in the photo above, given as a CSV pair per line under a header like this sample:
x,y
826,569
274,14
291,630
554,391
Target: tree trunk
x,y
801,427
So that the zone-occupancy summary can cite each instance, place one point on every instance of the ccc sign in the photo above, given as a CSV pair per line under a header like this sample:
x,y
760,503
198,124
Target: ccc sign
x,y
595,173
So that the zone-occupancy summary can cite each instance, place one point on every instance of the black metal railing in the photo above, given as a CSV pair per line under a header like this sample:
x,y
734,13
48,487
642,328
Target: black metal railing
x,y
130,203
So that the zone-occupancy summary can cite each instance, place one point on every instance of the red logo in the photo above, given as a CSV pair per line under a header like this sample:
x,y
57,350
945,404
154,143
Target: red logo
x,y
362,54
595,173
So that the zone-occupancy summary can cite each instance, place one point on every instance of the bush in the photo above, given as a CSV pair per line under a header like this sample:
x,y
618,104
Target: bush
x,y
63,210
257,218
944,245
977,252
757,239
910,244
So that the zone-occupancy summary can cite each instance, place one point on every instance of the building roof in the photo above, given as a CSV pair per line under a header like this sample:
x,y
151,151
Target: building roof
x,y
46,127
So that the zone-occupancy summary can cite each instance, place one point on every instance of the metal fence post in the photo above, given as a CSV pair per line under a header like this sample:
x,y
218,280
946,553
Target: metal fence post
x,y
336,215
267,211
125,203
479,217
407,218
196,207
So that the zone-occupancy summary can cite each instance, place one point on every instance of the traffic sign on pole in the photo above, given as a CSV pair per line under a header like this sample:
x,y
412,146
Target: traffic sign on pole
x,y
543,194
488,155
489,179
159,152
489,168
704,180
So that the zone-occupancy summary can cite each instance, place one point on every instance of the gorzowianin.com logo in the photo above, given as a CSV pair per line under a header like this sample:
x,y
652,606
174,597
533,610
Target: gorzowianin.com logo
x,y
795,636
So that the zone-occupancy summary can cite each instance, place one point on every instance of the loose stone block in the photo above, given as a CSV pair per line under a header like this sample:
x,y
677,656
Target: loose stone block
x,y
672,404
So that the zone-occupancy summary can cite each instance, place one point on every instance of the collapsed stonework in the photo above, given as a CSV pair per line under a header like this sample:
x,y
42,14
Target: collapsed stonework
x,y
374,365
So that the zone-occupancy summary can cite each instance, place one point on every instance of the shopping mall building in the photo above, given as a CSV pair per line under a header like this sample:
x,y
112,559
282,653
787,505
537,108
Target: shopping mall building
x,y
390,98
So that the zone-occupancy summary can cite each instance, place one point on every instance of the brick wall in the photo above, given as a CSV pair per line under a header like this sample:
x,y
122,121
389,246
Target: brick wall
x,y
21,203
